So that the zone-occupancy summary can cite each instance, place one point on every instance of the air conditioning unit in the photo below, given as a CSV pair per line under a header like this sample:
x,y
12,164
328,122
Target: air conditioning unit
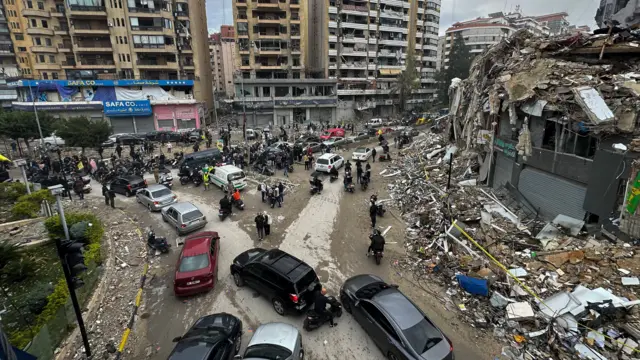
x,y
110,24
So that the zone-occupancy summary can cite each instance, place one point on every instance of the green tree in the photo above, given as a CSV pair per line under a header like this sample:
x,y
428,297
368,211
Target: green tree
x,y
460,59
407,81
82,132
22,125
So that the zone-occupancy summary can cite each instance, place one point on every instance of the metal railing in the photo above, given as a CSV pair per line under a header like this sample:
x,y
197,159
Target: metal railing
x,y
144,10
146,28
86,8
149,46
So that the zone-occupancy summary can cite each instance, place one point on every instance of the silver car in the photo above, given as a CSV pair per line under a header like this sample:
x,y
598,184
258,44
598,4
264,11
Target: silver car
x,y
184,217
155,197
274,341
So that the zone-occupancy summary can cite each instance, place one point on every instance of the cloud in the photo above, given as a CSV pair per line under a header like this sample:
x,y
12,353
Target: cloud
x,y
219,12
581,12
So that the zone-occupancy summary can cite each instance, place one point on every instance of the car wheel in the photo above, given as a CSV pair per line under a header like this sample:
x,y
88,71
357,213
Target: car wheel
x,y
128,193
346,306
138,200
222,188
164,218
238,280
149,207
178,230
278,306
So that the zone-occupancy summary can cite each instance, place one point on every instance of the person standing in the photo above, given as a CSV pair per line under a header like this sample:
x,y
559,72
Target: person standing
x,y
205,180
156,174
259,219
119,150
306,161
196,147
281,191
276,195
169,147
100,151
286,169
263,190
373,209
373,154
267,223
109,195
78,187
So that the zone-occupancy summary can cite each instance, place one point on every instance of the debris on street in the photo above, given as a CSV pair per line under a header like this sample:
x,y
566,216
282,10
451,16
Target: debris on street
x,y
548,288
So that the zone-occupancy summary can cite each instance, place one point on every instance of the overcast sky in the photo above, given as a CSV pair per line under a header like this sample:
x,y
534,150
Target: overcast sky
x,y
581,12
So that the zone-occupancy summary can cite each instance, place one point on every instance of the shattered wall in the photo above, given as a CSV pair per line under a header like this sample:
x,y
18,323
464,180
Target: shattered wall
x,y
625,12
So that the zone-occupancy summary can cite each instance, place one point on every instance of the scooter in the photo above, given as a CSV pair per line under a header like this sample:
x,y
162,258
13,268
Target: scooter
x,y
157,243
384,157
313,320
222,214
377,255
333,178
166,180
196,177
364,183
350,188
238,204
315,189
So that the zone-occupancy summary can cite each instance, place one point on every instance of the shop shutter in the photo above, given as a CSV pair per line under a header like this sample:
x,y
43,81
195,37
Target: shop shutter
x,y
122,125
551,194
144,124
503,171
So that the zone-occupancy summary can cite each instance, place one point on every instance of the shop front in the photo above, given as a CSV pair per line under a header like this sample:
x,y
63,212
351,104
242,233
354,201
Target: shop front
x,y
176,117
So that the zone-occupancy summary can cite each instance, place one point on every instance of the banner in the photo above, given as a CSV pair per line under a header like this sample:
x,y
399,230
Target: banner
x,y
128,108
36,83
633,196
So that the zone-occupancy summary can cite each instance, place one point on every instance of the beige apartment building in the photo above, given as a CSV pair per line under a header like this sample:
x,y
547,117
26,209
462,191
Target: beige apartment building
x,y
222,51
112,39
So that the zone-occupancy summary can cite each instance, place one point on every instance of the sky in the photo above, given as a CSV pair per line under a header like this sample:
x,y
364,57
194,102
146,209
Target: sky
x,y
581,12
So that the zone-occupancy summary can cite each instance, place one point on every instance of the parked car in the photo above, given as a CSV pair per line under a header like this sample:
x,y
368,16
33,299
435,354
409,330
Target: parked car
x,y
375,122
52,140
361,136
397,326
216,336
288,282
123,139
304,139
315,147
328,161
184,217
281,145
334,141
361,153
155,197
197,268
168,135
127,185
275,341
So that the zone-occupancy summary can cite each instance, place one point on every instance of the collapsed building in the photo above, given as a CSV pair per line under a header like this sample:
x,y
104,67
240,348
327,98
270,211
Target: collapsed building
x,y
522,202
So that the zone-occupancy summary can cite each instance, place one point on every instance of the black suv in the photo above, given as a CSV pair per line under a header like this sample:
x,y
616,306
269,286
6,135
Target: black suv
x,y
287,281
128,184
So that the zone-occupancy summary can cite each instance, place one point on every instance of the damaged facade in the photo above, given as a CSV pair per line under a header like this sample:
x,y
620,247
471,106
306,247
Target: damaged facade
x,y
545,115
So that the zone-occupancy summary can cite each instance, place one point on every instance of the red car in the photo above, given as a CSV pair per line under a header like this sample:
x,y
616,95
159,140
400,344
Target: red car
x,y
197,268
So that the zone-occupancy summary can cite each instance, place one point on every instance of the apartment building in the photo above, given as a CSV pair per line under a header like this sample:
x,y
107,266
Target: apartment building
x,y
557,22
8,66
92,40
222,49
275,82
369,42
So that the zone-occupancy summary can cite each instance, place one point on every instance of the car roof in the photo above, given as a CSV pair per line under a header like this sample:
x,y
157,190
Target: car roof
x,y
327,156
203,234
285,264
403,312
274,333
228,168
155,187
196,246
183,207
132,178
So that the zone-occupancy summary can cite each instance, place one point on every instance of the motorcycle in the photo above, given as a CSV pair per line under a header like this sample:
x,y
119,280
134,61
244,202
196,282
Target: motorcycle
x,y
196,177
157,243
222,214
350,188
384,157
313,320
364,183
166,180
333,178
184,180
238,204
380,210
290,169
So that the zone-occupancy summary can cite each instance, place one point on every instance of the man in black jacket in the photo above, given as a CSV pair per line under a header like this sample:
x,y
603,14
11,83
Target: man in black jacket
x,y
377,242
373,209
320,306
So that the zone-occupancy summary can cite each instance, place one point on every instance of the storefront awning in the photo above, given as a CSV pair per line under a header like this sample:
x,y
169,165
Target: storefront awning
x,y
390,71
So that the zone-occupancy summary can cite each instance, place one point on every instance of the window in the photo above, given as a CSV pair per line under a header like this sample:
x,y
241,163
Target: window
x,y
125,40
47,41
45,24
41,58
128,58
30,4
45,76
22,48
37,41
117,22
120,40
52,59
40,6
380,319
54,75
193,263
34,23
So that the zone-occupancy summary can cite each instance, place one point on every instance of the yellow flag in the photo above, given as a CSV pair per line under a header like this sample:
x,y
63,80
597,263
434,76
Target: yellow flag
x,y
80,166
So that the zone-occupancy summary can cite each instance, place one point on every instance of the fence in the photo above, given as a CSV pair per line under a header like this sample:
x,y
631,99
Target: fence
x,y
50,336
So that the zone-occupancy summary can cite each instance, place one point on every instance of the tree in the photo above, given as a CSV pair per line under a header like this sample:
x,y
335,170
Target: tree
x,y
82,132
22,124
460,59
407,81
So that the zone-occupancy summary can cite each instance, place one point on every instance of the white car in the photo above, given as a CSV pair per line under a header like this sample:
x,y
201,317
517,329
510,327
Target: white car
x,y
326,162
333,141
362,154
52,140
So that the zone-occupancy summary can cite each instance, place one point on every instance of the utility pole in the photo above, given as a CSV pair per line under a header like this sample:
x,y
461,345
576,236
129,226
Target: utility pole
x,y
244,109
35,111
57,190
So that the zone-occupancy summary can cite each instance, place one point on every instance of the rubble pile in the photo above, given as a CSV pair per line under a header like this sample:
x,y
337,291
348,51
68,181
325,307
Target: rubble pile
x,y
563,75
562,291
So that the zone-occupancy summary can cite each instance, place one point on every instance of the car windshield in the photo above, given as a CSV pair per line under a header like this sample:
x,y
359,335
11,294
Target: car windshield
x,y
326,133
193,263
160,193
235,176
361,150
422,336
191,215
267,352
306,280
323,161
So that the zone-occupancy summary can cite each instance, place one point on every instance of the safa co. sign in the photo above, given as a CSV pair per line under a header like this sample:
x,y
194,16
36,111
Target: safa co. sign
x,y
127,108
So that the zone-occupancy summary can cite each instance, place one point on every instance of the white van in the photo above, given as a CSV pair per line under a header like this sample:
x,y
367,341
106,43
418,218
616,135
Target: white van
x,y
223,175
252,134
376,122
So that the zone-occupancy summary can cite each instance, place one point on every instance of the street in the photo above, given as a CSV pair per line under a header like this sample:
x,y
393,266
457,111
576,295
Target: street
x,y
329,231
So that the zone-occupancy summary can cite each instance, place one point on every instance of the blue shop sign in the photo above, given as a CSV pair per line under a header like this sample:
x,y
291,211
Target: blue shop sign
x,y
128,108
123,83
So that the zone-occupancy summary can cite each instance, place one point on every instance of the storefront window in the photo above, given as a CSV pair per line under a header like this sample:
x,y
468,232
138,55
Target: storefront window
x,y
187,124
165,124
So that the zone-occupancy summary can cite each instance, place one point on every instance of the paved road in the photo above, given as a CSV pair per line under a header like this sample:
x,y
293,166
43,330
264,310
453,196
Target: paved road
x,y
328,231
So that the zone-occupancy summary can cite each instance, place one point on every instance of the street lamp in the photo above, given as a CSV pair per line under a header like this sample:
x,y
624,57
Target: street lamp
x,y
57,191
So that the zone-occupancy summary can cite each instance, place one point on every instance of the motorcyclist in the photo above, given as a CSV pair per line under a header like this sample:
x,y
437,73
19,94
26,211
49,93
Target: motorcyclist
x,y
317,182
225,205
334,172
347,179
347,166
236,196
377,242
320,306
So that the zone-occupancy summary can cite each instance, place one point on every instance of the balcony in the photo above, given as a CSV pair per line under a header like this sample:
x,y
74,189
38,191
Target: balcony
x,y
59,11
92,46
68,64
271,35
156,64
79,28
144,10
44,49
183,14
188,65
266,50
7,51
394,42
241,3
64,47
40,31
154,48
44,66
96,63
57,30
36,13
266,4
87,11
146,28
269,20
294,3
355,25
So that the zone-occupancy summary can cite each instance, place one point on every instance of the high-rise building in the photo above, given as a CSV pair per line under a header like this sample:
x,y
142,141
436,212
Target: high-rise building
x,y
369,42
222,48
9,69
275,83
112,40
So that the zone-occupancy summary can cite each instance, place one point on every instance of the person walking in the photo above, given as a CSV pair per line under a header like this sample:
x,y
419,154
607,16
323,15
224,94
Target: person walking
x,y
281,191
263,190
169,147
109,195
305,158
373,154
196,147
119,150
156,174
267,223
78,187
100,151
205,180
286,168
373,209
259,219
276,195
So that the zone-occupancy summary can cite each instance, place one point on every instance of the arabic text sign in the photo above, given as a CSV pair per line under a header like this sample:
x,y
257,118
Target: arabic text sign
x,y
507,148
127,108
